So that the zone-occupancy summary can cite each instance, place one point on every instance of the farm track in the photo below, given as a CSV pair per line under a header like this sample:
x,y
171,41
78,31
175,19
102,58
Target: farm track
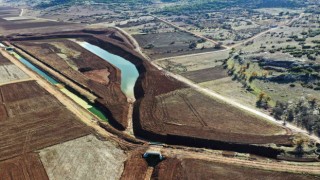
x,y
274,166
81,113
184,30
194,111
89,121
16,81
220,97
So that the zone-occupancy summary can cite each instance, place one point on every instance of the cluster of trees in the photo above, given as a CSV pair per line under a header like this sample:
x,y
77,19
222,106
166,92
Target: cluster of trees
x,y
304,113
203,5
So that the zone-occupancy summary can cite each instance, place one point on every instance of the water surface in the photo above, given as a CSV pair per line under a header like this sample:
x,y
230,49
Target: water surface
x,y
129,72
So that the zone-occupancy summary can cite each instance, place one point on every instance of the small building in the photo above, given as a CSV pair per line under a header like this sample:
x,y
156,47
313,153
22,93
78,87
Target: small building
x,y
153,154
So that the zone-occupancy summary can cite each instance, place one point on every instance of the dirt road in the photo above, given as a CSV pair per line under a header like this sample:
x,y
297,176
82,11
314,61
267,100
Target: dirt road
x,y
265,32
184,30
16,81
192,55
238,105
220,97
80,112
312,168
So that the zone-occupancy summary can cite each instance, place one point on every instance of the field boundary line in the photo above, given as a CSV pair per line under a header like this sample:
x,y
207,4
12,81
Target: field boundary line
x,y
17,81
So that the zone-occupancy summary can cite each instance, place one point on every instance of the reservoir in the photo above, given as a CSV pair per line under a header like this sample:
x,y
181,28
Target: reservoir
x,y
129,72
71,94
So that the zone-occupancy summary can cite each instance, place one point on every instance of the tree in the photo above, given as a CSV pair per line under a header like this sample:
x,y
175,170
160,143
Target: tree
x,y
218,45
300,142
253,76
192,45
263,100
277,113
290,115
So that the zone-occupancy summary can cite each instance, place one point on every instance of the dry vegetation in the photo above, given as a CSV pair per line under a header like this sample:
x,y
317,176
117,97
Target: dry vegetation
x,y
74,159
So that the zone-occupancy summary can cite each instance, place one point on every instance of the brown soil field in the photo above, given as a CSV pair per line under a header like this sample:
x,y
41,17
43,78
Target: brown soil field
x,y
201,169
22,91
14,25
204,120
164,46
27,166
100,75
201,121
135,167
3,60
85,69
3,112
204,75
30,127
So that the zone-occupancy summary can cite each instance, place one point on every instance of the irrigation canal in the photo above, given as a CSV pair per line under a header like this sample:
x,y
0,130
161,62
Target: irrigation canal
x,y
65,90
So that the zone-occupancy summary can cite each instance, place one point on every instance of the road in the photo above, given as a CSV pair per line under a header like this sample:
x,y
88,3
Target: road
x,y
192,55
16,81
235,45
220,97
81,113
185,30
227,48
265,32
261,164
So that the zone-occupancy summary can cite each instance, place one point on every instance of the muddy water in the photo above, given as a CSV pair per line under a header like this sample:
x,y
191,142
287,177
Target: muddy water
x,y
78,99
129,72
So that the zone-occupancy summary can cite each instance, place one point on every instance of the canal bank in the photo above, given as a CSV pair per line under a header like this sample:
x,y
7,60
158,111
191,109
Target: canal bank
x,y
129,72
69,92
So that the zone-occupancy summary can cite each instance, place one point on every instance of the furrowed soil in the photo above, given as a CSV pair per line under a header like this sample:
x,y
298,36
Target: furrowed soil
x,y
199,117
12,23
204,75
202,121
3,60
135,166
34,120
27,166
201,169
85,69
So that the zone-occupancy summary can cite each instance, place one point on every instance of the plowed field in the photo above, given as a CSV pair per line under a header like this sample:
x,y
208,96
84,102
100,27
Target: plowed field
x,y
170,109
200,169
85,69
35,120
27,166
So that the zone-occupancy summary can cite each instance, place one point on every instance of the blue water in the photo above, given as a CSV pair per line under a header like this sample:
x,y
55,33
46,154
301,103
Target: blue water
x,y
129,72
34,68
95,110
